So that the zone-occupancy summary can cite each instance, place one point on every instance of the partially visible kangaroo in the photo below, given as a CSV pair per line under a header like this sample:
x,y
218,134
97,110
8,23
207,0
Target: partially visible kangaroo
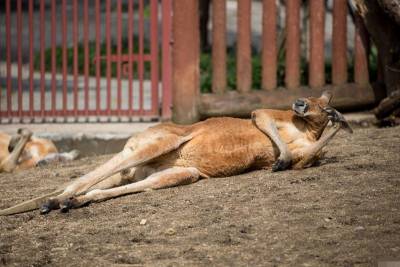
x,y
24,151
169,155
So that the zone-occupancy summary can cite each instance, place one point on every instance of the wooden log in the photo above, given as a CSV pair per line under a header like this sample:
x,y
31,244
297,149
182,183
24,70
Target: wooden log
x,y
388,105
361,51
218,46
185,53
243,52
269,46
346,97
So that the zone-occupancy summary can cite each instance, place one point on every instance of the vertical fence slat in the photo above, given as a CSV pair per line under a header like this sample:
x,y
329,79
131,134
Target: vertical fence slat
x,y
75,59
53,58
8,59
166,59
141,50
98,56
243,57
119,51
361,49
292,60
86,52
218,46
108,48
42,57
339,42
31,59
154,56
269,46
130,52
317,34
64,55
19,40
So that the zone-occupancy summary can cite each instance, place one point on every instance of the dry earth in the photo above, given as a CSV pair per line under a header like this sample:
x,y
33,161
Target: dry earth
x,y
344,212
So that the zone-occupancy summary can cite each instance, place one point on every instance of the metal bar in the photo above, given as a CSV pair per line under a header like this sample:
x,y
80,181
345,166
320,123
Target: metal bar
x,y
75,41
64,53
8,58
86,52
166,59
31,59
19,40
219,46
53,57
108,48
361,51
141,48
243,57
42,57
317,35
98,55
269,46
154,56
339,42
292,60
130,52
119,51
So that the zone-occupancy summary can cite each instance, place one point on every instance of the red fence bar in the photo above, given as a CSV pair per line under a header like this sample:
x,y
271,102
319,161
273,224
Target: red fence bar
x,y
75,59
42,58
86,52
98,55
154,55
141,50
185,54
166,59
361,50
64,54
339,42
108,48
8,58
243,57
130,51
53,57
292,60
19,40
317,47
31,59
269,46
119,51
219,46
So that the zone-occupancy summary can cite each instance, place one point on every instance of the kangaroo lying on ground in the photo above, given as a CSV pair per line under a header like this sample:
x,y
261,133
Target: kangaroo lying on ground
x,y
24,151
168,155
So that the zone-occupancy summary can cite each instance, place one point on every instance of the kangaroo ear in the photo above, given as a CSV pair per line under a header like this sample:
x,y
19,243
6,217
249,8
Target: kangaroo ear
x,y
326,96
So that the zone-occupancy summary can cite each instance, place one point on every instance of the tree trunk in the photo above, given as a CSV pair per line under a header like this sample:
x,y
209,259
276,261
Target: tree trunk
x,y
381,18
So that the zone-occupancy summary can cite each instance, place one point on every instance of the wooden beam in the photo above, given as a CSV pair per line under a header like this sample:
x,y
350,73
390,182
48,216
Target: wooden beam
x,y
317,44
269,46
185,53
345,97
292,60
339,42
243,52
218,46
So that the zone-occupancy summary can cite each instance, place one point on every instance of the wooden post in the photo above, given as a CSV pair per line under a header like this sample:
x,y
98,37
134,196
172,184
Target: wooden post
x,y
269,46
243,54
292,60
339,42
186,49
317,44
218,46
361,47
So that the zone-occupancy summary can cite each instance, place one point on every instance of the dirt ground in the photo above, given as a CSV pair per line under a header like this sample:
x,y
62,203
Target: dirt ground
x,y
344,212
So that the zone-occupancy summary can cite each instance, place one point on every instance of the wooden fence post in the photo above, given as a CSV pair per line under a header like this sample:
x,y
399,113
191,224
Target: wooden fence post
x,y
218,46
292,60
185,53
243,53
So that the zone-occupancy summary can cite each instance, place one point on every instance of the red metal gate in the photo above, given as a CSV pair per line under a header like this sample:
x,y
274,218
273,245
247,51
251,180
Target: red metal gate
x,y
83,59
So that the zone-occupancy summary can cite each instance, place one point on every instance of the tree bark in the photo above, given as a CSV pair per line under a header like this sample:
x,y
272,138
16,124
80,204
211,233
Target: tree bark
x,y
381,19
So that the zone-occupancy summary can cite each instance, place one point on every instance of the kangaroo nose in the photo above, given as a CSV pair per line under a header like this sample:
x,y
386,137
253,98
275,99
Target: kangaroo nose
x,y
300,102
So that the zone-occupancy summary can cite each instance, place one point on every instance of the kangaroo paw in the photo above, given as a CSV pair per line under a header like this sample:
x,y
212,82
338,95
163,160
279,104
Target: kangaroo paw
x,y
280,165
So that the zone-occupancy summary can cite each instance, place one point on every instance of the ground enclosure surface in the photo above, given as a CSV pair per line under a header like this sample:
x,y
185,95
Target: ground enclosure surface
x,y
343,212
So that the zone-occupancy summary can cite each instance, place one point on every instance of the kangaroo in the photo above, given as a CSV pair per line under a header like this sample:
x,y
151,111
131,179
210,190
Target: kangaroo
x,y
24,151
169,155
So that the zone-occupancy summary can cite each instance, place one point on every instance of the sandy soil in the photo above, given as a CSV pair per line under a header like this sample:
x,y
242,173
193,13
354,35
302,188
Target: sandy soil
x,y
344,212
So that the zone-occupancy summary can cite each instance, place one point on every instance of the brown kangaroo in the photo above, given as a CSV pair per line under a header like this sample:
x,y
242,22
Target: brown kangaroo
x,y
169,155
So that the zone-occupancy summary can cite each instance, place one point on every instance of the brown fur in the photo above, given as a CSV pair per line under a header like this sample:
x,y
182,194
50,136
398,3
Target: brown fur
x,y
168,154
